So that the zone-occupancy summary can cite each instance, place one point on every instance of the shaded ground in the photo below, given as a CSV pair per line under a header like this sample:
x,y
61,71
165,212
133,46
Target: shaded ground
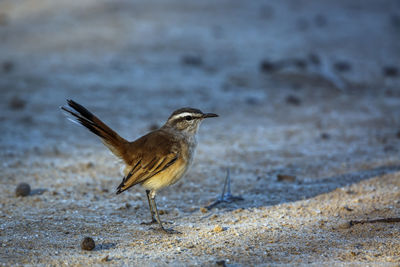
x,y
303,88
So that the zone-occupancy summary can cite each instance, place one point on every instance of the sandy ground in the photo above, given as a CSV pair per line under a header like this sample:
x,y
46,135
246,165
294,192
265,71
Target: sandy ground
x,y
308,89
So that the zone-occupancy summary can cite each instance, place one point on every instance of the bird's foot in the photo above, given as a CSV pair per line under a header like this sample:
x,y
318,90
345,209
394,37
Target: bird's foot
x,y
170,231
153,221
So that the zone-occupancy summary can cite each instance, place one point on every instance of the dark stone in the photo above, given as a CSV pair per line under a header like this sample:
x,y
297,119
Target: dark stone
x,y
17,103
8,66
342,66
325,136
293,100
268,66
192,60
285,178
221,263
88,243
23,190
390,71
300,63
314,59
320,20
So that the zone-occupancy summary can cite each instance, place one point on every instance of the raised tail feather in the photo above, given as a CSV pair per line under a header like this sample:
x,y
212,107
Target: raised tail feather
x,y
110,138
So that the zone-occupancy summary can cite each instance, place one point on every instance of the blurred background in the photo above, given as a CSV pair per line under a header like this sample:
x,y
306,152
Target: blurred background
x,y
304,89
136,61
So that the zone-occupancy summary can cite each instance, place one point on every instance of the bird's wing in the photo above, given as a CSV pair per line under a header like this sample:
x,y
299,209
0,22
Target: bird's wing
x,y
155,153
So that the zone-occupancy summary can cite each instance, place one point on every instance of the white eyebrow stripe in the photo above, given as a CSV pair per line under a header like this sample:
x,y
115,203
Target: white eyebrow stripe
x,y
184,114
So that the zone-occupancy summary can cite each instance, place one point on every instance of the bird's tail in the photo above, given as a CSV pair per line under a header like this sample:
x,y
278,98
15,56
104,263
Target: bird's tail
x,y
110,138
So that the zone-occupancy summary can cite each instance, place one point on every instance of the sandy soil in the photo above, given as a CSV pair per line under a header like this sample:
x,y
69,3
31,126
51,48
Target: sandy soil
x,y
308,89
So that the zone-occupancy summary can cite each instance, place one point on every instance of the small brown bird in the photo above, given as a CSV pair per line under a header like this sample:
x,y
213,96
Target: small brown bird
x,y
155,160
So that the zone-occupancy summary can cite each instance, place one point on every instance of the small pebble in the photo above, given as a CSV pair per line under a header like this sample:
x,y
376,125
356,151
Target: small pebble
x,y
192,60
218,229
325,136
293,100
221,263
300,63
8,66
23,190
342,66
344,225
17,103
390,71
203,210
88,243
89,165
314,59
398,134
285,178
320,20
105,259
268,66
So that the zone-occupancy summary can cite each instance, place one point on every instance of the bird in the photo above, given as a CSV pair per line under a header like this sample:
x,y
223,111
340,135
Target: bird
x,y
156,160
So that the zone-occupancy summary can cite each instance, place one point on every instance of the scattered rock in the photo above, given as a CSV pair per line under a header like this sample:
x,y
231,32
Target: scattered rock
x,y
218,229
17,103
342,66
88,243
203,210
127,205
300,63
268,66
320,20
390,71
252,101
395,21
89,165
23,190
162,212
105,259
8,66
285,178
325,136
221,263
344,225
192,60
267,12
314,59
302,24
347,208
293,100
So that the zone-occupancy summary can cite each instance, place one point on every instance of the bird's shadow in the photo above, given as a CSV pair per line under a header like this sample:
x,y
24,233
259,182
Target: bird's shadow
x,y
268,193
105,246
37,191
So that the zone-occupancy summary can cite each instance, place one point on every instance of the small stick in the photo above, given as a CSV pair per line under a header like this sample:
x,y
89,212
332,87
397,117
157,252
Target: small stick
x,y
385,220
225,197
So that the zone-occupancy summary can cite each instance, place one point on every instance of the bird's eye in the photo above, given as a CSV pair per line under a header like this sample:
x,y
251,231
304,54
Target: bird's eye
x,y
188,118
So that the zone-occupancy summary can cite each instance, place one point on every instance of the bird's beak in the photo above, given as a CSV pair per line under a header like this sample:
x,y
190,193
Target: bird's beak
x,y
209,115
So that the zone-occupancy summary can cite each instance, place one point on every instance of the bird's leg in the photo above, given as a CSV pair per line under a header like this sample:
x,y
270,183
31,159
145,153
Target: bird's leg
x,y
153,220
152,200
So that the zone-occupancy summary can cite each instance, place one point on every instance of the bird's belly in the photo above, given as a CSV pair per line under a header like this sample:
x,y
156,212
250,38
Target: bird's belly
x,y
167,177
